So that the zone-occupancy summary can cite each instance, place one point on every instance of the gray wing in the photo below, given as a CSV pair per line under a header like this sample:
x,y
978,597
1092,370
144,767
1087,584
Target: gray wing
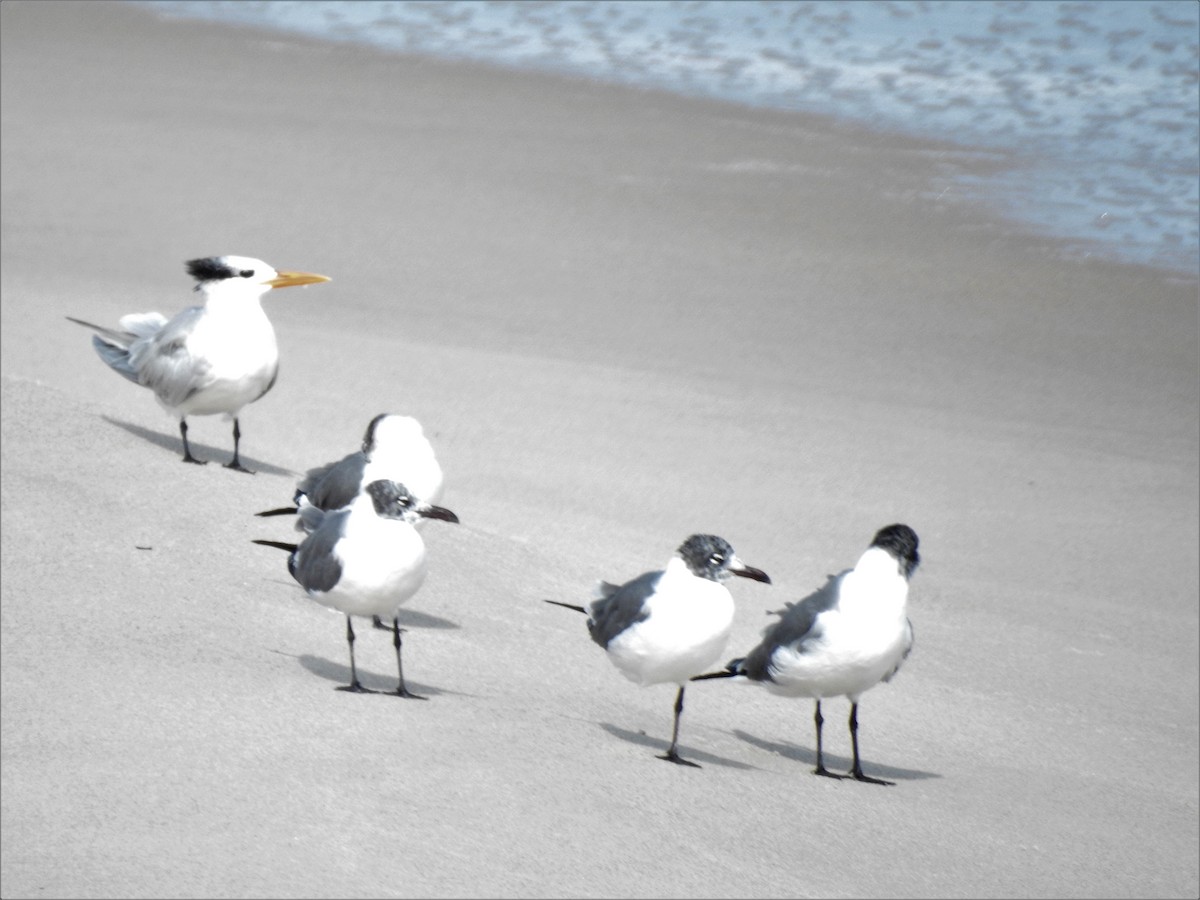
x,y
795,627
908,645
314,564
165,365
335,484
621,607
309,517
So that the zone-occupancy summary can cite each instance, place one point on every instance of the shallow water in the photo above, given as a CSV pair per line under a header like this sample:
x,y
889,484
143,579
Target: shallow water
x,y
1093,106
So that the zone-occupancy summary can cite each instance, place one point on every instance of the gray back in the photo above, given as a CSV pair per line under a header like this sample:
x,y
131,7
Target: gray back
x,y
795,625
623,606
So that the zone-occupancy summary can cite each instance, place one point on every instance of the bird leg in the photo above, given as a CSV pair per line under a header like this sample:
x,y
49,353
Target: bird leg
x,y
353,686
377,622
820,769
187,453
401,690
236,463
672,755
856,771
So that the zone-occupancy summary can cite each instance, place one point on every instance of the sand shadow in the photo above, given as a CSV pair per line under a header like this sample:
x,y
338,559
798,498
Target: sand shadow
x,y
340,675
833,762
201,451
660,746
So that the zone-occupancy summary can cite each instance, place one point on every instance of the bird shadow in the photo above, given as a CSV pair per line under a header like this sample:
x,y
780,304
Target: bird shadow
x,y
644,740
415,619
833,762
331,671
175,444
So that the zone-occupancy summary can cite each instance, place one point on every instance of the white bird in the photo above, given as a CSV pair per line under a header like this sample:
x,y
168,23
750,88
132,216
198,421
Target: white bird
x,y
209,359
666,626
843,639
394,447
365,559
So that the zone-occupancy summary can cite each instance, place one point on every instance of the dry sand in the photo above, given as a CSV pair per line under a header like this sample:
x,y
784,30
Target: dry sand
x,y
623,317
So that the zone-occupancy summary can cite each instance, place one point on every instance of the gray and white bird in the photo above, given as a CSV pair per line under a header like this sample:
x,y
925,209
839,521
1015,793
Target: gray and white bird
x,y
394,448
666,626
366,559
843,639
209,359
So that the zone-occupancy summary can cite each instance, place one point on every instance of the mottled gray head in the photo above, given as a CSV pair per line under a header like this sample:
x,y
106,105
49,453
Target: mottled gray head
x,y
393,501
711,557
901,542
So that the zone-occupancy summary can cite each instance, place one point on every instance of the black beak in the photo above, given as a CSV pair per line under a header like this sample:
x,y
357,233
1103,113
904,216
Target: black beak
x,y
437,512
751,572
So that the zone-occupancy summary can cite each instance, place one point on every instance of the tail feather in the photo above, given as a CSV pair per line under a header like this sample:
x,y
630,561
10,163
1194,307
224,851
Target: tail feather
x,y
568,606
117,338
290,548
732,670
113,348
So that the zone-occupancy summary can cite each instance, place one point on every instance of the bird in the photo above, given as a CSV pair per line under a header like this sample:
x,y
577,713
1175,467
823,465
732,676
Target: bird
x,y
665,626
365,559
212,358
843,639
394,447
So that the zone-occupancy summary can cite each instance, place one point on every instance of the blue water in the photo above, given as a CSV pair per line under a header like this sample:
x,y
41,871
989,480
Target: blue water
x,y
1093,106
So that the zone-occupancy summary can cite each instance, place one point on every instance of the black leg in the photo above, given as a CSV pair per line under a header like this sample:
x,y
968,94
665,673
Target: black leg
x,y
672,755
856,771
401,690
377,622
235,463
187,453
353,686
820,769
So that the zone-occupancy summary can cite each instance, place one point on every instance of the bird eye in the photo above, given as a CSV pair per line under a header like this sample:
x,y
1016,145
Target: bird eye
x,y
246,273
717,559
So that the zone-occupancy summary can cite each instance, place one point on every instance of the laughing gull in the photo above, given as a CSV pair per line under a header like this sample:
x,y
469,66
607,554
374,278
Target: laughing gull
x,y
394,447
365,559
663,627
843,639
209,359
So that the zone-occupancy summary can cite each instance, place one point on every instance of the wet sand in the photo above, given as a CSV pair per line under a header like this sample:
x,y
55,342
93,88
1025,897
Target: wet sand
x,y
623,317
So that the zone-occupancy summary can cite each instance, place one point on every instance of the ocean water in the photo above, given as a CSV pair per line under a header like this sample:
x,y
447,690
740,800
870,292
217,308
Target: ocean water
x,y
1093,108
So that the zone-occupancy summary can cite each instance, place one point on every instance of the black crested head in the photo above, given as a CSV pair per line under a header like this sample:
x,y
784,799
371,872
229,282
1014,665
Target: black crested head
x,y
707,556
368,443
211,268
391,500
901,542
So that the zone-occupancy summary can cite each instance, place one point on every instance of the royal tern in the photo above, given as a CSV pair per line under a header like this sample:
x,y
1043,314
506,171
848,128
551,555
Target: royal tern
x,y
213,358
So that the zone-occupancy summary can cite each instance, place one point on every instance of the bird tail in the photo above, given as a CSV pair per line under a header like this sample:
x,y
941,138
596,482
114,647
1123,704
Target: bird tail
x,y
113,348
732,669
290,548
568,606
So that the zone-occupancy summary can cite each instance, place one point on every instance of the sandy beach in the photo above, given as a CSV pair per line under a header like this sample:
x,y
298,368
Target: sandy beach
x,y
623,317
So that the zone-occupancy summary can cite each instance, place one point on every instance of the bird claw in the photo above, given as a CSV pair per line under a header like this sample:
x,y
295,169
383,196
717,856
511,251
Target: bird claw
x,y
406,693
672,756
356,688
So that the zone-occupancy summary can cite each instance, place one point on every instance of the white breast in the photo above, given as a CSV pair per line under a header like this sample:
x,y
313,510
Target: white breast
x,y
685,634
